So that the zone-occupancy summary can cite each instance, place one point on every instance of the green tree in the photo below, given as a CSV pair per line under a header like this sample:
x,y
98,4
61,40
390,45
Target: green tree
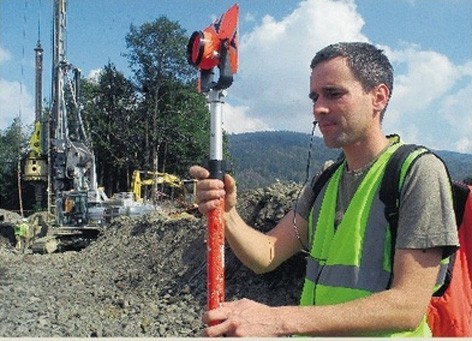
x,y
13,142
175,116
115,128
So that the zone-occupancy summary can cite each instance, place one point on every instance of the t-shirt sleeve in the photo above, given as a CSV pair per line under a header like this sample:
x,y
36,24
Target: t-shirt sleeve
x,y
426,213
304,203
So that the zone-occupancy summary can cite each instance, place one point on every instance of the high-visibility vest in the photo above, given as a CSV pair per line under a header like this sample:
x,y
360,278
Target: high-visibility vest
x,y
355,261
21,230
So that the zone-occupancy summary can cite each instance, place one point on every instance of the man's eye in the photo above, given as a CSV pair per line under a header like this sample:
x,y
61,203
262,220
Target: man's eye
x,y
335,94
313,97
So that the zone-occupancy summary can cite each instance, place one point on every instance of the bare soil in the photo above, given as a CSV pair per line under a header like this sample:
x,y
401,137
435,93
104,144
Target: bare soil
x,y
142,277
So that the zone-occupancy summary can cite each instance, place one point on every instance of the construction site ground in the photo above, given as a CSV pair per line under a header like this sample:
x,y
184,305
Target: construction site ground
x,y
142,277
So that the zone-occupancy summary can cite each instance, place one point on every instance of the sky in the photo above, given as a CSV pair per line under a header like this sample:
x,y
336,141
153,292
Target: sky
x,y
429,43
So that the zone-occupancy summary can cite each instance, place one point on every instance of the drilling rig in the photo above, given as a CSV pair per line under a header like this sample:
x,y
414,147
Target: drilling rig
x,y
60,161
73,185
60,157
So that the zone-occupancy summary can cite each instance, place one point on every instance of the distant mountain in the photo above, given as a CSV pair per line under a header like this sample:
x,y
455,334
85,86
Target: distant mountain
x,y
459,164
261,158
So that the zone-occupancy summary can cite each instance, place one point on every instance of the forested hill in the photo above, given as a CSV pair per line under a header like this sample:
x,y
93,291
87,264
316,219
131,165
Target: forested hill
x,y
261,158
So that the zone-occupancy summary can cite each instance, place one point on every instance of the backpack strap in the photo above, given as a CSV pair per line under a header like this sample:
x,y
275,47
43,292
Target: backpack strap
x,y
318,183
461,193
390,188
390,191
322,179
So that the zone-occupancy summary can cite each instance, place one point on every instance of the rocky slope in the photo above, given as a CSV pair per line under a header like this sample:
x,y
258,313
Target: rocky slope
x,y
142,277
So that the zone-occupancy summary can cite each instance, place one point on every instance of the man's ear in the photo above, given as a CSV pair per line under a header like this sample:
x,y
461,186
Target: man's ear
x,y
380,97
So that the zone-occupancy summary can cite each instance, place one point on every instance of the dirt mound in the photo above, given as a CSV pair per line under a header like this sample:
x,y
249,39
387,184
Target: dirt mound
x,y
9,216
143,277
8,220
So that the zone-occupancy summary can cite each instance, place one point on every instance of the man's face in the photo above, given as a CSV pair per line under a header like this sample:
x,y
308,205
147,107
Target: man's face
x,y
340,105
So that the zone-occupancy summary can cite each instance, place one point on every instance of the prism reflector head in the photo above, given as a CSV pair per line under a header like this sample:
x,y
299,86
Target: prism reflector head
x,y
216,46
203,49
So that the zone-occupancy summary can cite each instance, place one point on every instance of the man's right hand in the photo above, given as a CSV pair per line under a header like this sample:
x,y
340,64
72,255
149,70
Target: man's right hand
x,y
211,191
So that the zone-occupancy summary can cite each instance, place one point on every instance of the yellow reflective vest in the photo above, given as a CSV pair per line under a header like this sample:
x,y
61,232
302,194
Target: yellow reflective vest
x,y
355,261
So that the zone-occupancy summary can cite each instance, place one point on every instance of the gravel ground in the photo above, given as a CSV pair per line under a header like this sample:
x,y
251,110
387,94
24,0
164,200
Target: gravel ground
x,y
142,277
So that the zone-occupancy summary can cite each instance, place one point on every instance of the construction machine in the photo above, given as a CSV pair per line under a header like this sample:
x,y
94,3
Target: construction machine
x,y
60,161
168,186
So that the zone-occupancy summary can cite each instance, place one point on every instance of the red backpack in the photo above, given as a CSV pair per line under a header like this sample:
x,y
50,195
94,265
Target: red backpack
x,y
451,313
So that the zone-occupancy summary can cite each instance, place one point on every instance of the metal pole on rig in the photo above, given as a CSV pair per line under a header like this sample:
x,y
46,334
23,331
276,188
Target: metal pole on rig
x,y
216,47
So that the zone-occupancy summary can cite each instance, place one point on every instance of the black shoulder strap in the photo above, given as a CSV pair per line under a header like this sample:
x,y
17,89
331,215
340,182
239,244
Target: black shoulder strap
x,y
461,193
323,178
390,187
390,190
390,196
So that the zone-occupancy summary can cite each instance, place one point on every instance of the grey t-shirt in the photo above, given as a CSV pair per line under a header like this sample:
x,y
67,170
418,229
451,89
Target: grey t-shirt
x,y
426,215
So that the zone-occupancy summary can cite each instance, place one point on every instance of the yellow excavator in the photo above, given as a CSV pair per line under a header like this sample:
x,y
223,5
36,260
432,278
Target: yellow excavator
x,y
164,185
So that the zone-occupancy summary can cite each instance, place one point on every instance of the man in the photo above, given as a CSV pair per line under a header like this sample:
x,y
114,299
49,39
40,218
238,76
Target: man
x,y
22,235
350,86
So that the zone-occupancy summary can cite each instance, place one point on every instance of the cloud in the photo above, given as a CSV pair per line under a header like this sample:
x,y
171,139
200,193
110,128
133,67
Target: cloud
x,y
464,145
14,102
249,17
412,87
236,120
431,97
431,100
456,111
275,56
5,55
94,75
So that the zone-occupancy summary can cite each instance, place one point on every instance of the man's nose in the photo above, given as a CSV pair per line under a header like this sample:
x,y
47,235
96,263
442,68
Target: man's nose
x,y
319,108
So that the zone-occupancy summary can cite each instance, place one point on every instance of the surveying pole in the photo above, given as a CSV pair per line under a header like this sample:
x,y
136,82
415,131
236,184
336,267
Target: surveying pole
x,y
216,47
216,226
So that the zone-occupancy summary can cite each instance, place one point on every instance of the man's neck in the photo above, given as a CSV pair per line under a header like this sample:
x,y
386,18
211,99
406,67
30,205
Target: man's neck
x,y
361,153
